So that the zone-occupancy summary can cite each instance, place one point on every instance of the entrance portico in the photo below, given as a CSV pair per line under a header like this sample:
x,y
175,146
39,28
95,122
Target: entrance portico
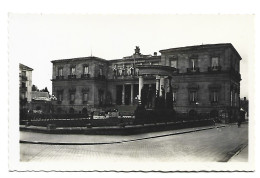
x,y
161,73
156,77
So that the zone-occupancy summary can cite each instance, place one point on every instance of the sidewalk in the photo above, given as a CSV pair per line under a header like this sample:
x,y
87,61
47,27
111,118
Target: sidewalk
x,y
79,139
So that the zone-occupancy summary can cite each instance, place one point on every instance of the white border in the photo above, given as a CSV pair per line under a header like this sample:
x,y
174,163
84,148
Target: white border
x,y
48,6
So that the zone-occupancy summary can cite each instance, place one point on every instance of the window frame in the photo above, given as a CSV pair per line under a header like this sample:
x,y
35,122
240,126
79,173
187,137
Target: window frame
x,y
73,72
85,67
173,59
193,96
60,73
23,73
218,61
85,97
60,96
174,96
72,99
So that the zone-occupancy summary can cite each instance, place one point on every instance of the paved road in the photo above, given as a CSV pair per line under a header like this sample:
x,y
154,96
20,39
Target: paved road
x,y
217,145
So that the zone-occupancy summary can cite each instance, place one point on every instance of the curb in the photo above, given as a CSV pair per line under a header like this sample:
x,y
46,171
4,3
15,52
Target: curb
x,y
118,142
243,146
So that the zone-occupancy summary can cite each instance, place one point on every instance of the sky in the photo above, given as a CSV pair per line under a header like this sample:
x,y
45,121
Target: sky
x,y
37,39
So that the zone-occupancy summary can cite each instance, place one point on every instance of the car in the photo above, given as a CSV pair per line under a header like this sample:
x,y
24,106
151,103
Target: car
x,y
99,115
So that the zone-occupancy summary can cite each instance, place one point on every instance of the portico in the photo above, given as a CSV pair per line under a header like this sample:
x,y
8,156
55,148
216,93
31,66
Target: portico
x,y
163,75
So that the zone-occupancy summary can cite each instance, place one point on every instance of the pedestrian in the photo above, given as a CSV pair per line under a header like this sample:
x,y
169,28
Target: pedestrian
x,y
239,123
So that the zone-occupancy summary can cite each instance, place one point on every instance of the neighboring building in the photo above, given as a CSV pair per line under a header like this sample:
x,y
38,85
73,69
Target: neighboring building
x,y
25,79
204,79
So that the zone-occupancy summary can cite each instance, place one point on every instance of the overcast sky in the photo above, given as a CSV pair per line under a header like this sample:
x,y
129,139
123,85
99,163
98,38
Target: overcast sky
x,y
35,40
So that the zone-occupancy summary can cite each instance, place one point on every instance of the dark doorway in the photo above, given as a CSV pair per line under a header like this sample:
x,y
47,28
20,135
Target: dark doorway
x,y
127,94
119,89
151,89
136,90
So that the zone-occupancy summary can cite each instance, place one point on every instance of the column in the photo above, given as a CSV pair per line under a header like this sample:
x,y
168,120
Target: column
x,y
141,84
162,85
157,84
169,83
123,95
132,93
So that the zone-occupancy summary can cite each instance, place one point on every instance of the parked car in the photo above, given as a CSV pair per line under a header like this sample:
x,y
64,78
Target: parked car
x,y
99,115
37,112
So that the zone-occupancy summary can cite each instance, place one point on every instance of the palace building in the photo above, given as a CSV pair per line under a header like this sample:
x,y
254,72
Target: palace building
x,y
203,79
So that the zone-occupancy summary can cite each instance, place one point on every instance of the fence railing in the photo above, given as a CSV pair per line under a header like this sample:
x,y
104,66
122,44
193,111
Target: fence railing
x,y
82,120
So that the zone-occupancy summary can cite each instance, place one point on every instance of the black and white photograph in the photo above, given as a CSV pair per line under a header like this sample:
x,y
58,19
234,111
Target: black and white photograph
x,y
107,92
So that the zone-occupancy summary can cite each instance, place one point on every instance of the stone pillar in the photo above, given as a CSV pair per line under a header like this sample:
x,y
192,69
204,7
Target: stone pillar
x,y
141,84
169,83
123,95
162,85
157,84
132,93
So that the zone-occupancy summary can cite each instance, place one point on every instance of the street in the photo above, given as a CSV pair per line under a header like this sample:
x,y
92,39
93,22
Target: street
x,y
212,145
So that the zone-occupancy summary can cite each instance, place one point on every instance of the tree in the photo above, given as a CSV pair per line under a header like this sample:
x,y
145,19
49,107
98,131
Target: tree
x,y
45,90
35,88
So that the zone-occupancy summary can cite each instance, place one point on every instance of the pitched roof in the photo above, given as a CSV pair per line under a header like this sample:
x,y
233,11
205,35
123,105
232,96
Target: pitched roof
x,y
79,59
24,67
198,47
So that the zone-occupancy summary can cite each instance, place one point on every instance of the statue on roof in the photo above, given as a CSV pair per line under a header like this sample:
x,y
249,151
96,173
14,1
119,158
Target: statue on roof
x,y
137,50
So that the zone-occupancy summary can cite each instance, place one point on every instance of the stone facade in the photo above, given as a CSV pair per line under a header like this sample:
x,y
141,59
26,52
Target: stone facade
x,y
25,80
204,79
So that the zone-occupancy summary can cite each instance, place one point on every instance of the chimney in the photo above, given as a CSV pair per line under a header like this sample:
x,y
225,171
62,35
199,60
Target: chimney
x,y
155,53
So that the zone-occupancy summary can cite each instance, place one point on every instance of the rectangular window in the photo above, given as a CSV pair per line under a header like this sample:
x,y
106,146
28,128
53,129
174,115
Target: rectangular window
x,y
100,71
215,62
72,96
120,72
193,63
72,71
193,96
85,97
22,95
174,63
23,73
86,70
174,96
214,96
23,84
60,71
60,97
